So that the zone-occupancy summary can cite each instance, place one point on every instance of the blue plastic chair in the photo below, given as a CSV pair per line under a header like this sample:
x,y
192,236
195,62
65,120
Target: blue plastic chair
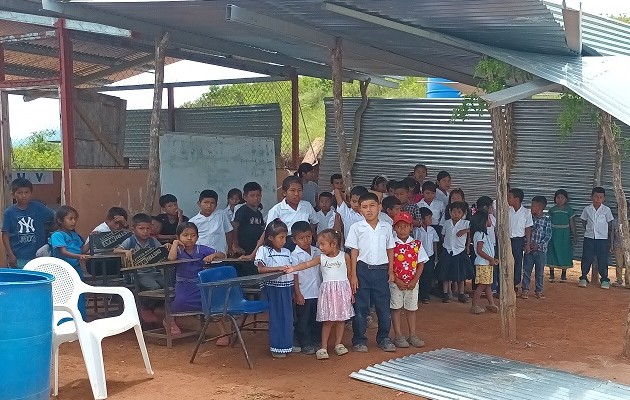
x,y
224,302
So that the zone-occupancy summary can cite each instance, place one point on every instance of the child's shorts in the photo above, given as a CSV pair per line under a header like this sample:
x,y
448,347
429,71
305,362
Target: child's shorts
x,y
483,274
407,299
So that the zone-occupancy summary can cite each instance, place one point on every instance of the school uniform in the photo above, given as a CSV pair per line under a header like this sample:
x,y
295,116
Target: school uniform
x,y
519,221
483,269
596,244
212,229
407,255
348,217
307,329
385,218
279,294
437,208
442,196
373,274
288,215
232,212
455,265
325,221
428,236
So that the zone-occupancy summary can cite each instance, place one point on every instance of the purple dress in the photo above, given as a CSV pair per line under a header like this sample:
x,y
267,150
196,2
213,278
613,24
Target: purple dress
x,y
187,295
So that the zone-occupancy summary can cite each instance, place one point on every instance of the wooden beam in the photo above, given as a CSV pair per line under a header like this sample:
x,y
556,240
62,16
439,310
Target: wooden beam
x,y
154,130
337,65
96,132
507,296
6,198
358,119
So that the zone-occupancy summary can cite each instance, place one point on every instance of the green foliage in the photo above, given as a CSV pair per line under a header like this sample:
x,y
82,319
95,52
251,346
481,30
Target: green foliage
x,y
494,75
36,152
312,92
622,17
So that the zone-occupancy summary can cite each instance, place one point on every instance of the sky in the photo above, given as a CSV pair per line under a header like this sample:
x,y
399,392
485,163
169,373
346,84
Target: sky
x,y
27,117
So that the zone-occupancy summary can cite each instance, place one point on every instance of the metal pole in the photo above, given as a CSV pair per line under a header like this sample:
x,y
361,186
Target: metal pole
x,y
295,122
171,108
66,98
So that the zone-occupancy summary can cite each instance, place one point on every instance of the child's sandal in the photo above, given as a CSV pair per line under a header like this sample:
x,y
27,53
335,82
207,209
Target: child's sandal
x,y
492,308
340,349
322,354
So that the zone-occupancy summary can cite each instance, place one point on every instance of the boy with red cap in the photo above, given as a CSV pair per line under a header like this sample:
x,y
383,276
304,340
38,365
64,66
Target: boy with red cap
x,y
409,259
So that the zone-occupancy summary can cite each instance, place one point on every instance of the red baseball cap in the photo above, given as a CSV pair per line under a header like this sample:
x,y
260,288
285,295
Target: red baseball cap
x,y
403,216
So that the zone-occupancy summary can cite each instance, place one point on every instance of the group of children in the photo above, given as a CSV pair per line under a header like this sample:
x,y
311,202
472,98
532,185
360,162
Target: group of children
x,y
344,254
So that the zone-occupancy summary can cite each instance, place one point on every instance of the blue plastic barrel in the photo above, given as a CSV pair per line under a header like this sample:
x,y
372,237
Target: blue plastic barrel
x,y
436,89
25,334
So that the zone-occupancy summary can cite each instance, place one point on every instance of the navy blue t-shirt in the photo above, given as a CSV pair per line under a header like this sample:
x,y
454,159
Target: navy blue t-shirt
x,y
26,228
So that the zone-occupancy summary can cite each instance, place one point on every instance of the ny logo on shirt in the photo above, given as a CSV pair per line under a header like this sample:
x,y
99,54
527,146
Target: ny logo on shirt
x,y
26,225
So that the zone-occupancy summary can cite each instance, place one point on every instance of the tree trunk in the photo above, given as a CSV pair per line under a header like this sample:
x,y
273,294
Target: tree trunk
x,y
507,297
511,137
358,118
610,137
6,197
154,130
597,181
344,162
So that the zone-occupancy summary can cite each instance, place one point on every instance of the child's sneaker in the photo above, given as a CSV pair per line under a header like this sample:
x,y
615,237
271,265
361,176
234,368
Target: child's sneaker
x,y
415,341
360,348
583,283
539,295
606,285
308,350
563,279
552,279
322,354
462,298
340,349
477,310
492,308
278,355
296,349
401,342
524,295
446,298
387,345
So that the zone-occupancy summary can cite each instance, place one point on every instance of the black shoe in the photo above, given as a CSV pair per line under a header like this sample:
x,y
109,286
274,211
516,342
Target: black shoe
x,y
308,350
446,298
462,298
425,301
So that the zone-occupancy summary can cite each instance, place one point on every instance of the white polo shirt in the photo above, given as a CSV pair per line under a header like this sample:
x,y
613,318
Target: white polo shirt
x,y
437,208
453,243
491,229
385,218
310,279
441,196
304,212
519,220
212,229
348,217
324,220
427,237
371,243
596,221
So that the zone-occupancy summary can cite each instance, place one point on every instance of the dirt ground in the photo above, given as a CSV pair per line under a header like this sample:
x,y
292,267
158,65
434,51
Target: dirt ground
x,y
573,329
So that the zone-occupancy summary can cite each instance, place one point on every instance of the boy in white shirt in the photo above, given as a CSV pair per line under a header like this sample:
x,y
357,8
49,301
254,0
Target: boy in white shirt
x,y
429,201
348,215
306,288
371,270
214,225
597,219
326,214
520,231
430,239
391,207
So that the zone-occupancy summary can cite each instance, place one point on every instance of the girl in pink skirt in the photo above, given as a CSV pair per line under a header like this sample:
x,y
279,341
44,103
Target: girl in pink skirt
x,y
334,305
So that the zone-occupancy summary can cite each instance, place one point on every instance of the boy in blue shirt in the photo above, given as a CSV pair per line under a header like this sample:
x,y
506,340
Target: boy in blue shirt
x,y
24,225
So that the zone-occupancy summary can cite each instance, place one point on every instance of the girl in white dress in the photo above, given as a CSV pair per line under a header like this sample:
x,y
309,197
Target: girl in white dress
x,y
334,305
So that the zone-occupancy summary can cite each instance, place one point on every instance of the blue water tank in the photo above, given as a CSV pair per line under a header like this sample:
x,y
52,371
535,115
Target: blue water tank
x,y
25,334
436,89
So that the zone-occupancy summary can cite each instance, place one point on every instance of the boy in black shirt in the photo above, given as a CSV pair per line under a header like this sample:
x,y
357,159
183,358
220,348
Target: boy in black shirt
x,y
248,222
170,218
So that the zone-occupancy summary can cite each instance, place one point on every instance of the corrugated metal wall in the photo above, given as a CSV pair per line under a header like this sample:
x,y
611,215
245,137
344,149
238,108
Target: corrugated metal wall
x,y
254,120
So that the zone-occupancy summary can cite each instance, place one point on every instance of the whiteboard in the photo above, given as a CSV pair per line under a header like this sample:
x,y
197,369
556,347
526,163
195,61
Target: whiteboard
x,y
190,163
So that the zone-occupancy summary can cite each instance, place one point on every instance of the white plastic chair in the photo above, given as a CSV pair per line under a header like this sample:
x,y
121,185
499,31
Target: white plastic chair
x,y
67,287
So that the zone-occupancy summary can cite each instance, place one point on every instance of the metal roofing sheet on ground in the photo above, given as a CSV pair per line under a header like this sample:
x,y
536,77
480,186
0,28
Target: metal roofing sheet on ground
x,y
447,374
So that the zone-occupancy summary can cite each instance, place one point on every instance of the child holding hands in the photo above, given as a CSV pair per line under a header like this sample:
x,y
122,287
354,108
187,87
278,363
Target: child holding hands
x,y
485,261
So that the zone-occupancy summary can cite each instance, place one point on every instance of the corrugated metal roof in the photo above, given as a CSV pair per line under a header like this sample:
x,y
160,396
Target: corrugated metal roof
x,y
447,374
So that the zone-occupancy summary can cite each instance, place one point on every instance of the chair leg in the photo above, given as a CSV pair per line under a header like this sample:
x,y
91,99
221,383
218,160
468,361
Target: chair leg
x,y
56,368
143,348
240,338
202,336
234,338
93,356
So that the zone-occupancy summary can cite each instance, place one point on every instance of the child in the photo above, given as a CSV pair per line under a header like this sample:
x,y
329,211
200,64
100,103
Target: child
x,y
371,270
409,259
214,226
520,231
326,214
456,195
67,245
391,207
403,194
485,261
156,227
306,172
336,182
537,255
306,285
115,220
334,305
248,221
170,218
622,279
443,184
150,279
420,173
560,253
429,238
24,225
235,201
485,203
455,265
272,256
379,186
597,220
349,215
185,247
436,206
414,189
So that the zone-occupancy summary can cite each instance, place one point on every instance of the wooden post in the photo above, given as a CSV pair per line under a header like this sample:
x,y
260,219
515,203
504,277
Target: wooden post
x,y
358,119
6,199
506,261
612,144
511,137
344,163
154,131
